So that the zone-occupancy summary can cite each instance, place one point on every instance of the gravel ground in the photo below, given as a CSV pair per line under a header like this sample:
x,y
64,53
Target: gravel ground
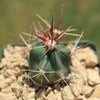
x,y
16,84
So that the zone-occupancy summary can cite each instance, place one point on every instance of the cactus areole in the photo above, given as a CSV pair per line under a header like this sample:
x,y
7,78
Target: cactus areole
x,y
51,61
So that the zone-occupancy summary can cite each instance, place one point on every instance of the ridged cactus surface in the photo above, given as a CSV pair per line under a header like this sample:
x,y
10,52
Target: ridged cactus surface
x,y
49,67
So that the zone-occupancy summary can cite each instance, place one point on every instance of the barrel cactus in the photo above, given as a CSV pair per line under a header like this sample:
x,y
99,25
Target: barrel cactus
x,y
51,61
49,58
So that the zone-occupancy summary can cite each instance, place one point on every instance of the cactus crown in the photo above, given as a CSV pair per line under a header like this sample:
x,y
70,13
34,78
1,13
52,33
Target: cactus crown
x,y
50,41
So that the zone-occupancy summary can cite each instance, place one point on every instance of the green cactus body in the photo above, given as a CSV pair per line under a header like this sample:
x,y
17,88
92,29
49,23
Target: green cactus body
x,y
53,64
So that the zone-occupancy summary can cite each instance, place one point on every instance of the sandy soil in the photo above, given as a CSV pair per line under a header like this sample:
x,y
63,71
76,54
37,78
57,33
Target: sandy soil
x,y
16,84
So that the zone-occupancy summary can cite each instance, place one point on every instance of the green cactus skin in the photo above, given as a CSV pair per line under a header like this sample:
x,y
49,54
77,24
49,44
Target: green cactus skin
x,y
53,64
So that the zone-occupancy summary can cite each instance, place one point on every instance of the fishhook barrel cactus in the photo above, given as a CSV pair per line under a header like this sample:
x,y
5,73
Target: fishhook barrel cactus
x,y
51,61
49,58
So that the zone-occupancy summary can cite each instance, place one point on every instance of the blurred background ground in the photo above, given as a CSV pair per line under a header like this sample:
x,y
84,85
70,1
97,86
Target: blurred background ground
x,y
16,16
